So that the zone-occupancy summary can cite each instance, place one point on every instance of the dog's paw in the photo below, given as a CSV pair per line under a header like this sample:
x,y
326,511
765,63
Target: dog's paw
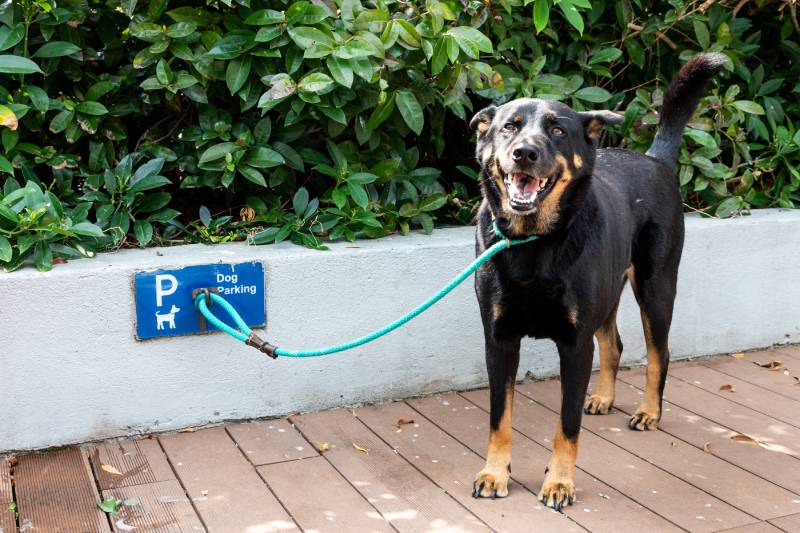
x,y
490,483
557,494
598,405
643,421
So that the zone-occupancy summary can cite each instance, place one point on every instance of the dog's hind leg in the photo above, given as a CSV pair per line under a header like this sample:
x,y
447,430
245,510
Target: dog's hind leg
x,y
654,283
502,360
610,351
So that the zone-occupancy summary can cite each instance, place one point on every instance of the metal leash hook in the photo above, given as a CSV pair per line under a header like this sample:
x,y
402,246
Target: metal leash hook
x,y
206,291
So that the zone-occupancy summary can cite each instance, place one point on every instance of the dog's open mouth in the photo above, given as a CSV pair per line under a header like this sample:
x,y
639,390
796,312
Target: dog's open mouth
x,y
523,189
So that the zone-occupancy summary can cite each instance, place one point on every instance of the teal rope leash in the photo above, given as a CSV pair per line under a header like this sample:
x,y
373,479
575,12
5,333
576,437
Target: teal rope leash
x,y
245,334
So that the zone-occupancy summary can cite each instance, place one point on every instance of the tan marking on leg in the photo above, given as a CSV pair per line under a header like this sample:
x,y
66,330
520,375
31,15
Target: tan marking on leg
x,y
493,479
497,311
647,415
608,341
572,315
558,489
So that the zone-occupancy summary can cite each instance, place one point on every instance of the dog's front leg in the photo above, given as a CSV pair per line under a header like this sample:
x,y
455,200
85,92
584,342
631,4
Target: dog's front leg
x,y
558,488
502,360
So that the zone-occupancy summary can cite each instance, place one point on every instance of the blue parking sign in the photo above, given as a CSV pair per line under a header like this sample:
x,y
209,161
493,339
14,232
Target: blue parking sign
x,y
164,304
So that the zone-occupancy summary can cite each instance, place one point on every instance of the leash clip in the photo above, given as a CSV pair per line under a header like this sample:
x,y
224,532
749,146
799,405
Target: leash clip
x,y
261,345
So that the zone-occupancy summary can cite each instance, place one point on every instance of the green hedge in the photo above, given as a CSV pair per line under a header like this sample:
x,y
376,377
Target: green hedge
x,y
139,122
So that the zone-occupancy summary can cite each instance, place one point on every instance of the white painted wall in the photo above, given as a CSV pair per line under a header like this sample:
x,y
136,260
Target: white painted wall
x,y
71,371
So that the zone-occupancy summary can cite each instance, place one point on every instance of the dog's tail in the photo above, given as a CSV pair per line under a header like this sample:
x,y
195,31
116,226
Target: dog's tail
x,y
680,101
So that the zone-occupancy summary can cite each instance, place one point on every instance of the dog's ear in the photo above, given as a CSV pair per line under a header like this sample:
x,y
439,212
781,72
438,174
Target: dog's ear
x,y
483,119
593,121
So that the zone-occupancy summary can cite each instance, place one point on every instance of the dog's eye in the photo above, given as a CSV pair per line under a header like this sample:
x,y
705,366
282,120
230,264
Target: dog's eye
x,y
510,126
558,132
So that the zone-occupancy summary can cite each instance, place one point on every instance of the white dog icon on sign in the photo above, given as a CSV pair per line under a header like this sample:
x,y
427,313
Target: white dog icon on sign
x,y
167,318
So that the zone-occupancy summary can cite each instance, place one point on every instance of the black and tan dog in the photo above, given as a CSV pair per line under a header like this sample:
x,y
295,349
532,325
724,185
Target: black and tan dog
x,y
603,217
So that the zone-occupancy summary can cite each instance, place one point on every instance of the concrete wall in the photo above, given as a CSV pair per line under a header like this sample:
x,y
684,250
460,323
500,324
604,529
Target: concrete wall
x,y
70,369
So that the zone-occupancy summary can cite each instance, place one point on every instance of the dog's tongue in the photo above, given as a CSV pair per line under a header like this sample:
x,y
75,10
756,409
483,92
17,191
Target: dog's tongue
x,y
523,185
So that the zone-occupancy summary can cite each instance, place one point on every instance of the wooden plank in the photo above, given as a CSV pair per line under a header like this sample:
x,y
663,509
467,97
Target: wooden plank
x,y
779,436
140,461
746,394
791,351
787,523
758,527
56,493
8,522
745,369
319,498
270,441
155,507
405,497
598,506
674,499
5,481
731,484
776,467
225,488
452,467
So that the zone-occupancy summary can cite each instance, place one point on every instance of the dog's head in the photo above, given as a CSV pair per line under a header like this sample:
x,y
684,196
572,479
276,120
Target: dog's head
x,y
532,152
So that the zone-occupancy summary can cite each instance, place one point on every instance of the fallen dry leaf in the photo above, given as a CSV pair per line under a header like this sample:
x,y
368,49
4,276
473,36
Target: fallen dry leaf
x,y
323,447
111,470
186,430
403,422
359,448
737,355
204,492
772,365
727,387
739,437
707,447
786,372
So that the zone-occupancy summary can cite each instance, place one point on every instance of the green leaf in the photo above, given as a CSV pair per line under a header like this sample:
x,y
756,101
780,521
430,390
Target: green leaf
x,y
300,201
5,249
252,175
293,159
605,55
39,98
306,36
6,166
263,17
61,121
341,70
358,194
264,237
86,229
150,182
381,112
571,14
100,89
143,231
237,73
91,108
541,14
57,49
18,65
748,106
362,178
433,202
262,157
205,216
410,110
43,256
110,505
9,37
218,151
427,222
316,82
593,94
700,137
163,72
701,32
471,41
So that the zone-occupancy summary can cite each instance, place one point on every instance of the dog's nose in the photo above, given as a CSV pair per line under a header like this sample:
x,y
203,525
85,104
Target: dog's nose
x,y
524,153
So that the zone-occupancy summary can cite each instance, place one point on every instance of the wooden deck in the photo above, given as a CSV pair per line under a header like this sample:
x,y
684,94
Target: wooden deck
x,y
727,458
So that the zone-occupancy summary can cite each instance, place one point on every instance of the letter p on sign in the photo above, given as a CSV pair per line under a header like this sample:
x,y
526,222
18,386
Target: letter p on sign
x,y
161,290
